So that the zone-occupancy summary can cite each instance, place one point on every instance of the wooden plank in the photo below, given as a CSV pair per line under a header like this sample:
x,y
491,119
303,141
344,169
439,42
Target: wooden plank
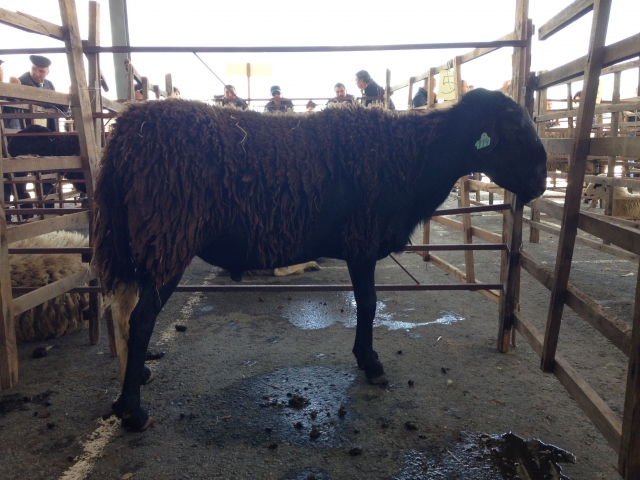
x,y
112,105
587,242
8,345
481,233
615,53
33,229
629,453
40,164
607,422
168,85
479,52
82,113
577,168
493,295
603,108
486,187
616,146
565,17
410,94
426,234
399,86
600,226
615,181
611,327
30,24
24,92
511,282
33,299
467,236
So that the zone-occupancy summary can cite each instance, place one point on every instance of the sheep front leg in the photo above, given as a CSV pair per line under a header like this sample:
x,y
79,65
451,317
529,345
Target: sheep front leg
x,y
143,318
362,277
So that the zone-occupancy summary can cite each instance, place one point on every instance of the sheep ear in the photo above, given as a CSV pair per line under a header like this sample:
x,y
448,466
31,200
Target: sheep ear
x,y
486,143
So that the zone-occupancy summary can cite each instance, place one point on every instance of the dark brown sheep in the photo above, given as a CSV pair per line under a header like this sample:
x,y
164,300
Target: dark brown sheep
x,y
246,191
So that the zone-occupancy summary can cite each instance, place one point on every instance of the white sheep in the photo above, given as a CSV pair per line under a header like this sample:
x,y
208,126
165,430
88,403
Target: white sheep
x,y
625,204
62,314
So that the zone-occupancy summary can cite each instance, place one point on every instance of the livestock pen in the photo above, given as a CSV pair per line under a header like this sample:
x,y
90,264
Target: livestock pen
x,y
505,292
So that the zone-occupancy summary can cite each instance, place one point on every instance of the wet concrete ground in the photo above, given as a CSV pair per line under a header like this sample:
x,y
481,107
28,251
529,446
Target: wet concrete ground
x,y
265,386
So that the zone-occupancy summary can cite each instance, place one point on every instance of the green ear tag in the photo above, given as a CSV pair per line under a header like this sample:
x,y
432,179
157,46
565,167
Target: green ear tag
x,y
484,141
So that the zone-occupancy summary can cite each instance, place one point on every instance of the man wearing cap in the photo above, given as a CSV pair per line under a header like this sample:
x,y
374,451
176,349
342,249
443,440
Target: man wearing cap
x,y
277,103
37,77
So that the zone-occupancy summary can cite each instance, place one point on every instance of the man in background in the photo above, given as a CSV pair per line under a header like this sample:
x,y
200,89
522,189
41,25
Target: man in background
x,y
370,89
420,98
277,102
37,77
230,98
341,95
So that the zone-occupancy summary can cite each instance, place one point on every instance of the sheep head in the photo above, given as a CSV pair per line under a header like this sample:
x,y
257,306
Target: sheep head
x,y
503,142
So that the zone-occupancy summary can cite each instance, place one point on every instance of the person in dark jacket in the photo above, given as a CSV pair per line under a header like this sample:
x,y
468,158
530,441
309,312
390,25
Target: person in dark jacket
x,y
341,95
420,98
277,103
37,77
370,89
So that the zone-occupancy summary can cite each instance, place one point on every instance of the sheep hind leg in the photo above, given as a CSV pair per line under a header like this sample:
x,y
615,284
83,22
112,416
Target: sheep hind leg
x,y
143,318
362,278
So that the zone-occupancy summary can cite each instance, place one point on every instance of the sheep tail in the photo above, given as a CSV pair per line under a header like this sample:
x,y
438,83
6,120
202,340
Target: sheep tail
x,y
113,255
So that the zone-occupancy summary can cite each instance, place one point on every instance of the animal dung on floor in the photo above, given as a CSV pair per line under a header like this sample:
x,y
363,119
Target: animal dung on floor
x,y
62,314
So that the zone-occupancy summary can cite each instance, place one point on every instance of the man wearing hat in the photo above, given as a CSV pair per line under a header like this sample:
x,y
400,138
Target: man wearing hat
x,y
37,77
277,103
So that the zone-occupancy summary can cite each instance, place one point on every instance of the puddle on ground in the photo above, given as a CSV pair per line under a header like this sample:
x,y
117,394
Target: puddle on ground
x,y
480,456
17,401
306,406
340,308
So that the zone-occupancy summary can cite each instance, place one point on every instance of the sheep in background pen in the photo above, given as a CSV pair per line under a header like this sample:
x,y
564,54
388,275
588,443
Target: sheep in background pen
x,y
62,314
625,204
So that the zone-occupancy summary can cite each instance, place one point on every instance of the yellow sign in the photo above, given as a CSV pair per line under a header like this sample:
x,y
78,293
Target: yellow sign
x,y
253,70
447,85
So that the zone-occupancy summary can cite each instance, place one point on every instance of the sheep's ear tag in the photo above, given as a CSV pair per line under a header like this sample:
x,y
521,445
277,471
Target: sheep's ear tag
x,y
484,141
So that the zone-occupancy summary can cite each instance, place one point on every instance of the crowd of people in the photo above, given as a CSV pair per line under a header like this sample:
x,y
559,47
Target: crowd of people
x,y
370,90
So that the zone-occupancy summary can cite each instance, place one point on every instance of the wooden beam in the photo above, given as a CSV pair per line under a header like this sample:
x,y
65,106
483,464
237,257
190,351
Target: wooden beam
x,y
40,164
565,17
614,53
111,105
606,108
24,92
629,452
8,345
33,299
577,168
82,113
511,281
625,237
587,242
467,236
589,401
33,229
611,327
479,52
492,295
30,24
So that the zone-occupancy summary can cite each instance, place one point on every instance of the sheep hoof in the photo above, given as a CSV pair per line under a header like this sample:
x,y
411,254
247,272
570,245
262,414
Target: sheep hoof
x,y
379,380
137,423
147,376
